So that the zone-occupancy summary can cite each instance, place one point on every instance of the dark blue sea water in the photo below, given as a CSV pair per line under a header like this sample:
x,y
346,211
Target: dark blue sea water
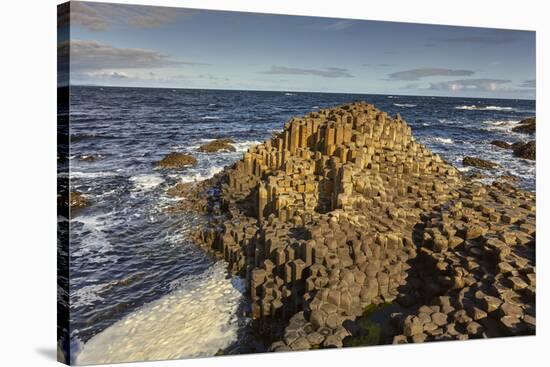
x,y
133,273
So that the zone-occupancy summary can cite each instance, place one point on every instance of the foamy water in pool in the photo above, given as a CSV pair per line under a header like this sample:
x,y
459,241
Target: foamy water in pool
x,y
198,318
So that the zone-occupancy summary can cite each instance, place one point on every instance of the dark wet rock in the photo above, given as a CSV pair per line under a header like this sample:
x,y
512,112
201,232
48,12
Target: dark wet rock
x,y
181,189
78,200
333,341
526,126
89,157
196,197
501,144
218,145
478,163
476,176
526,150
177,160
509,178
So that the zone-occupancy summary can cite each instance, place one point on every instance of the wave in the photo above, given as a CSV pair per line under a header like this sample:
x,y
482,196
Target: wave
x,y
80,137
95,245
196,176
500,125
207,117
240,146
443,140
483,108
146,182
404,105
196,320
243,146
78,174
87,295
290,94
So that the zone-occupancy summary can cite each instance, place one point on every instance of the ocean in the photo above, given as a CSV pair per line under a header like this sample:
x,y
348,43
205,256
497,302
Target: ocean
x,y
139,290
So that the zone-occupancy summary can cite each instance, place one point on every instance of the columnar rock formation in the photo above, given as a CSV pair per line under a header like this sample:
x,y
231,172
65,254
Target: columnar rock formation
x,y
344,209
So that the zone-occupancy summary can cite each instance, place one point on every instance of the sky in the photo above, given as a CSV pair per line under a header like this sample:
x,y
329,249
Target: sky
x,y
147,46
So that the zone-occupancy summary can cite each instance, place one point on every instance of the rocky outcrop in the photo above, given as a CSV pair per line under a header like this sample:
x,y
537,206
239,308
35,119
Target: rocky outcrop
x,y
78,201
525,150
197,197
526,126
479,163
482,284
177,160
218,145
89,157
501,144
344,209
520,149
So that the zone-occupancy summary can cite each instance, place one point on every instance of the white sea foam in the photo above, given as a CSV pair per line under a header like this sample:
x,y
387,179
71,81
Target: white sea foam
x,y
443,140
483,108
210,117
96,244
404,105
290,94
242,146
106,193
196,175
195,320
78,174
86,296
500,125
146,182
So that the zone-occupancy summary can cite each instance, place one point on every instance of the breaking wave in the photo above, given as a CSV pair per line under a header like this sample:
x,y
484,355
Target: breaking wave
x,y
404,105
483,108
443,140
200,175
146,182
500,125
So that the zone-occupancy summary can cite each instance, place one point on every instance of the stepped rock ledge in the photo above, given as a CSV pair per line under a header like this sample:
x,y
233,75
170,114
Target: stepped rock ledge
x,y
343,210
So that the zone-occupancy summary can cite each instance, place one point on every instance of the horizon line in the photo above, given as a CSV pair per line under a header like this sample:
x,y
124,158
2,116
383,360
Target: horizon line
x,y
291,91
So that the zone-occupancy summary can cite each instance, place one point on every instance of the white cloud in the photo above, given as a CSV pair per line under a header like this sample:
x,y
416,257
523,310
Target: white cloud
x,y
339,25
485,85
531,84
416,74
328,72
92,55
102,16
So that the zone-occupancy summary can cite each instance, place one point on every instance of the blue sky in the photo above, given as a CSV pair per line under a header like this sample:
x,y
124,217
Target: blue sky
x,y
126,45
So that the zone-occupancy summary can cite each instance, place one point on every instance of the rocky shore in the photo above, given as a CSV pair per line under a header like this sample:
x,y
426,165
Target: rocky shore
x,y
520,149
343,210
